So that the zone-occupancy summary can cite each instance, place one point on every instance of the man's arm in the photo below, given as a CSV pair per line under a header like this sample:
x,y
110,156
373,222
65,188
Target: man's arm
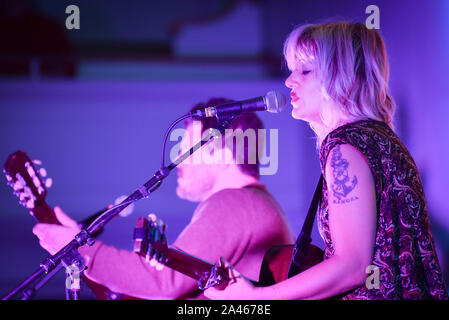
x,y
352,223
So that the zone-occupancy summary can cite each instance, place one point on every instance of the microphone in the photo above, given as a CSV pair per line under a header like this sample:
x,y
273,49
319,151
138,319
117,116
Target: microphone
x,y
273,101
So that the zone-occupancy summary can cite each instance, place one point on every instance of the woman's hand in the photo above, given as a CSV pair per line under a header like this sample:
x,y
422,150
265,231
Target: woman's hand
x,y
238,287
54,237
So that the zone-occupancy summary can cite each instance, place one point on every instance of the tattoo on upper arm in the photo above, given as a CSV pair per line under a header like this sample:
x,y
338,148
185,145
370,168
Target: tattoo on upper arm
x,y
342,184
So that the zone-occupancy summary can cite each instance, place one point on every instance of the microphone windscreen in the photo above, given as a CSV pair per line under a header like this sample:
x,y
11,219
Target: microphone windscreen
x,y
275,101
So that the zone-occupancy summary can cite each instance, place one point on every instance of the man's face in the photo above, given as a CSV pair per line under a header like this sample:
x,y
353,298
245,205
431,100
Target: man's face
x,y
195,177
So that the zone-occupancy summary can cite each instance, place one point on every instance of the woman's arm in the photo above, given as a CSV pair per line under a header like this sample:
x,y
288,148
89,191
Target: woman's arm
x,y
352,223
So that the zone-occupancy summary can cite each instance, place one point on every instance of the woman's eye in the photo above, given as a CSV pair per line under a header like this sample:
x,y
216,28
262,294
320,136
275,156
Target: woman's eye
x,y
306,72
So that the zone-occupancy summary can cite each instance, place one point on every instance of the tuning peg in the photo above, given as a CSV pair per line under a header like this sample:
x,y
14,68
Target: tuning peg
x,y
162,225
37,162
155,264
43,172
48,182
19,184
152,217
30,204
9,179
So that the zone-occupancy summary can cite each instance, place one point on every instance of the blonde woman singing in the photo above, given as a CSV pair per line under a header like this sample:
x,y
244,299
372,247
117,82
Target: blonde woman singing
x,y
373,212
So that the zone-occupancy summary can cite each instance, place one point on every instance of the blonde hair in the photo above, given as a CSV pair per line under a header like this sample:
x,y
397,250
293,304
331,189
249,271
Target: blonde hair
x,y
353,65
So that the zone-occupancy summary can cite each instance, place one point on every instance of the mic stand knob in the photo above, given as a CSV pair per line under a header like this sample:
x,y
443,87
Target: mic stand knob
x,y
74,266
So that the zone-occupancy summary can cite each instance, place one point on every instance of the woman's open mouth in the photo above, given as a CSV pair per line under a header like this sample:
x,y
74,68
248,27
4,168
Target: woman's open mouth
x,y
294,97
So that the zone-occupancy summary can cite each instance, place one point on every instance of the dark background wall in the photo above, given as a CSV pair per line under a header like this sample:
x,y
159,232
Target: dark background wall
x,y
93,103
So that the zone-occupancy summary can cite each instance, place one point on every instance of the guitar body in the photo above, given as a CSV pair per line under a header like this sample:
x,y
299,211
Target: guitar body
x,y
276,263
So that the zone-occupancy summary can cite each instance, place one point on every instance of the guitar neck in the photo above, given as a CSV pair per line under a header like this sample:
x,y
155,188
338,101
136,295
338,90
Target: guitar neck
x,y
187,264
43,213
196,268
183,262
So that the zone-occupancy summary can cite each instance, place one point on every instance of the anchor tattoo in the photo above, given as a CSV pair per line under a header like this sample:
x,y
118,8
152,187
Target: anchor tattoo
x,y
342,185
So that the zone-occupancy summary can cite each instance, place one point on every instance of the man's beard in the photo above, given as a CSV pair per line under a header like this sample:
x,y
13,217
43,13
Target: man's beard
x,y
184,193
199,193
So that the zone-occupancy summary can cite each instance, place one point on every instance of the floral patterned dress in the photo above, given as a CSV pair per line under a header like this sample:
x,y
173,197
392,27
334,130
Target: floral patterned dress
x,y
404,251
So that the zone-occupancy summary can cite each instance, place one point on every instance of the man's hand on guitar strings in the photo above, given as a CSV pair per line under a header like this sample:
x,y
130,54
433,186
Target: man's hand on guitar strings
x,y
238,287
54,237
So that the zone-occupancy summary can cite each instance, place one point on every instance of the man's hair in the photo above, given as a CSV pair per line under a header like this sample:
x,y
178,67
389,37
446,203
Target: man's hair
x,y
244,121
353,64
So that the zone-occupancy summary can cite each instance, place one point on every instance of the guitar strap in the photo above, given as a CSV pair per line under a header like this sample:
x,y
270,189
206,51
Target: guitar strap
x,y
302,243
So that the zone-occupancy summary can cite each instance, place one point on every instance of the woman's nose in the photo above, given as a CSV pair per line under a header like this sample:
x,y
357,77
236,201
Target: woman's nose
x,y
289,82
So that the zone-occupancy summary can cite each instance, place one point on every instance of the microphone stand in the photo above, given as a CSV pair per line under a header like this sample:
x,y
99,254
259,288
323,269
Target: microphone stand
x,y
69,256
29,294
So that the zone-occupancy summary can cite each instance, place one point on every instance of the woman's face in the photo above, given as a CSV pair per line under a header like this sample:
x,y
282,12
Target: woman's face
x,y
307,94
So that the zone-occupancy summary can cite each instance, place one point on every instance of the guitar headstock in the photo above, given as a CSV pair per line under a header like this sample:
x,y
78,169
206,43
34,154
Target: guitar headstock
x,y
26,181
150,241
